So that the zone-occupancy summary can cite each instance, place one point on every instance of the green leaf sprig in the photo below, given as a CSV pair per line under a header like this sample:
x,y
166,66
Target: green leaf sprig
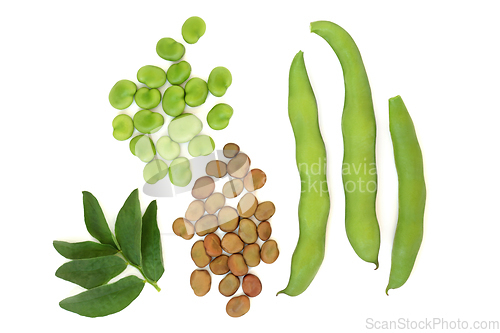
x,y
137,243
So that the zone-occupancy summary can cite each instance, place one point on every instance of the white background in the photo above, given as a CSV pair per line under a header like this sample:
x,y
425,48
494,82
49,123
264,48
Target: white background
x,y
60,59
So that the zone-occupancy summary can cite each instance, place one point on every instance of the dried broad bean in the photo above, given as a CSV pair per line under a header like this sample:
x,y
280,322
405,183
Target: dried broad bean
x,y
265,210
173,102
247,205
201,282
251,285
251,254
195,210
122,94
229,285
147,98
216,169
232,243
184,128
228,219
201,145
254,180
214,202
168,49
143,147
148,122
196,92
212,245
199,254
206,225
238,167
219,80
167,148
203,187
179,72
219,266
179,172
248,231
218,117
232,188
123,127
154,171
183,228
264,230
269,252
152,76
193,29
238,306
237,264
230,150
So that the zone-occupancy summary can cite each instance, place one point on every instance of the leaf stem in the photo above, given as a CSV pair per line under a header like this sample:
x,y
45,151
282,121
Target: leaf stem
x,y
151,282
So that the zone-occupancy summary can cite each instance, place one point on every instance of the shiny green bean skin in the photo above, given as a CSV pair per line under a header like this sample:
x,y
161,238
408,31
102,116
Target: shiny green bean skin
x,y
412,193
193,29
359,173
314,204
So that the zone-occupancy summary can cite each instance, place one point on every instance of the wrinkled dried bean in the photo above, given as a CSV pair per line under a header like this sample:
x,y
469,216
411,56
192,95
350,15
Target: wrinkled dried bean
x,y
238,306
264,230
228,219
207,224
247,205
195,210
230,150
251,285
217,169
248,231
269,252
264,211
183,228
229,285
238,167
237,264
212,245
232,243
251,254
214,202
232,188
200,282
254,180
199,255
219,266
203,187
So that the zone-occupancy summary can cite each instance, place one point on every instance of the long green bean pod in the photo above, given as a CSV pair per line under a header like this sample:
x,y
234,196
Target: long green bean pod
x,y
314,204
359,172
411,193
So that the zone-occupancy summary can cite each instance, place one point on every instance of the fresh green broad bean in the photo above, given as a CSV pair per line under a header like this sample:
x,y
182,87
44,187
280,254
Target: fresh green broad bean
x,y
122,94
193,29
147,98
168,49
123,127
167,148
105,300
218,118
180,172
148,122
143,147
201,145
196,92
155,171
152,76
314,204
412,193
173,102
359,170
178,73
219,80
184,128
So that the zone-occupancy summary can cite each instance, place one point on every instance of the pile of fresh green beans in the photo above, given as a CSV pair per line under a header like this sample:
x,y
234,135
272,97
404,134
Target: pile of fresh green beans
x,y
359,172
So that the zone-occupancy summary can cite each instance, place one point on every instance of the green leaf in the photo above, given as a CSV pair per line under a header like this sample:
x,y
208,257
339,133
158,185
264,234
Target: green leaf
x,y
93,272
95,220
83,250
105,300
152,257
128,228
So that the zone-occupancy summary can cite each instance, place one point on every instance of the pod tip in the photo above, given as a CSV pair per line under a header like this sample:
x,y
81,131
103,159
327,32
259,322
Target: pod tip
x,y
387,290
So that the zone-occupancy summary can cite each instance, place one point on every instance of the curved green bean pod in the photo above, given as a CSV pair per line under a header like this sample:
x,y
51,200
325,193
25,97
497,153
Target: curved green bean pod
x,y
314,204
412,193
359,173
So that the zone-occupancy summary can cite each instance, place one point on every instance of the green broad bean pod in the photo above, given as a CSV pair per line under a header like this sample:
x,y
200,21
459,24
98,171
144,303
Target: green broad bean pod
x,y
179,172
147,98
168,49
167,148
152,76
218,117
122,94
193,29
196,92
123,127
359,171
184,128
219,80
314,204
173,102
146,121
142,147
178,73
201,145
412,193
155,171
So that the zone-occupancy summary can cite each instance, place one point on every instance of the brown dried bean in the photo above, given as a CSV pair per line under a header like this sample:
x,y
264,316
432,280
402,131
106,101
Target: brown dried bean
x,y
248,231
200,282
230,150
264,230
251,254
238,306
269,252
217,169
251,285
232,188
212,245
183,228
207,224
195,210
228,219
219,266
254,180
238,167
237,264
229,285
214,202
203,187
199,254
232,243
247,205
264,211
